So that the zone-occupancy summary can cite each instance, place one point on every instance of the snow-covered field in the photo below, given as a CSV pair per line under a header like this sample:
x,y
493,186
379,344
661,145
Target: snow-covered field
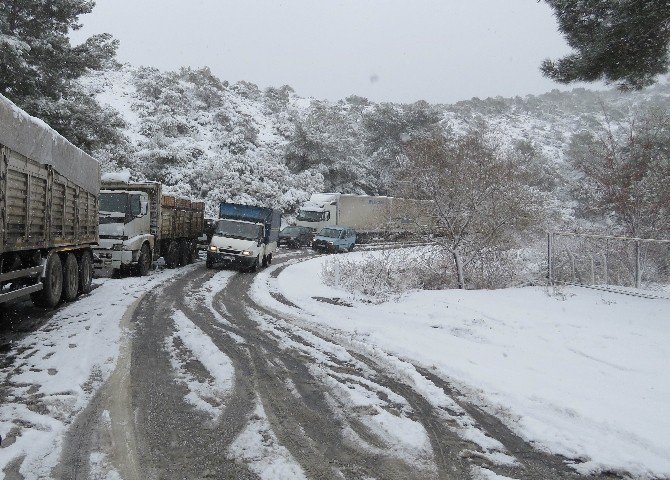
x,y
60,369
580,372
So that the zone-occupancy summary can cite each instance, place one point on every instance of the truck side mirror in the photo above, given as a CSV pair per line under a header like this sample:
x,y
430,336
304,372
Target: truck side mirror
x,y
144,207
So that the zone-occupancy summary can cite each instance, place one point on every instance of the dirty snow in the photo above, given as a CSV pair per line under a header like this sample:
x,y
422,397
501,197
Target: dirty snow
x,y
208,396
259,448
60,368
576,370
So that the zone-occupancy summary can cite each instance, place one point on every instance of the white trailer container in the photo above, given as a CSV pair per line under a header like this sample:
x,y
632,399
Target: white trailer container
x,y
364,213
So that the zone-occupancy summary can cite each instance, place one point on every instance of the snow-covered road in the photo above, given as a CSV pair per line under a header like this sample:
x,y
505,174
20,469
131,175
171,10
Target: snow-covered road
x,y
185,374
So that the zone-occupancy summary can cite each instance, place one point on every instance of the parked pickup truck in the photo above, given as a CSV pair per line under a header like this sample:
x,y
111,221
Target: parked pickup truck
x,y
245,237
48,211
138,224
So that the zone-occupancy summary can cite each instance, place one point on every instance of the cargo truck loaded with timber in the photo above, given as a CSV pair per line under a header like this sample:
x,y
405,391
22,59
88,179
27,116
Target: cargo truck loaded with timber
x,y
48,211
139,224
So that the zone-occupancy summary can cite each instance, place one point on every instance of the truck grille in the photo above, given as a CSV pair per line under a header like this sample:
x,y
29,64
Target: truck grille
x,y
232,252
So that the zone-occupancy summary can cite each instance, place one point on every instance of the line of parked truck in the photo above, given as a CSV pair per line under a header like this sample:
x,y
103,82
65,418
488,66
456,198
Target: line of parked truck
x,y
59,220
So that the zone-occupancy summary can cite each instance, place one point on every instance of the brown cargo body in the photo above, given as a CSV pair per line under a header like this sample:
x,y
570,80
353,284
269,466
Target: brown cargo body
x,y
42,209
181,218
48,211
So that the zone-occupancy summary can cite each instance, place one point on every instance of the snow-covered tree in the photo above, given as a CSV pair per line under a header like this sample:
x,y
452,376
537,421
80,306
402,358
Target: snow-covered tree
x,y
39,68
480,195
624,173
623,42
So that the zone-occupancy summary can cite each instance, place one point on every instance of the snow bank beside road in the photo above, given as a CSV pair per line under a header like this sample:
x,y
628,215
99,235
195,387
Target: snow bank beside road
x,y
580,372
59,370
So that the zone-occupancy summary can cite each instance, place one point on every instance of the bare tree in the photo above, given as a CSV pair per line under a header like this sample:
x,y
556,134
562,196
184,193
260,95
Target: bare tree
x,y
624,173
480,196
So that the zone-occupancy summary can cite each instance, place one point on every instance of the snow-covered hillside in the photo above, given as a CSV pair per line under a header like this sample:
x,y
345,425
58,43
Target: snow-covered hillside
x,y
210,139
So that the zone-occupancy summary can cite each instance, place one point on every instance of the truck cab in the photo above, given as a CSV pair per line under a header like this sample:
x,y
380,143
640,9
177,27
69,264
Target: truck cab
x,y
124,227
319,212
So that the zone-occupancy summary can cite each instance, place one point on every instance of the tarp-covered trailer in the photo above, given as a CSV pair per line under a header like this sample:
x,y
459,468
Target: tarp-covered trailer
x,y
48,211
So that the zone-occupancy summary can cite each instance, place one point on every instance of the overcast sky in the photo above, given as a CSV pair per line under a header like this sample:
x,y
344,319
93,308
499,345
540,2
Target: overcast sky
x,y
386,50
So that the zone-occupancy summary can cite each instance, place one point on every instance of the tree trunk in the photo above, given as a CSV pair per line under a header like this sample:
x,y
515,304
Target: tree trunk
x,y
459,268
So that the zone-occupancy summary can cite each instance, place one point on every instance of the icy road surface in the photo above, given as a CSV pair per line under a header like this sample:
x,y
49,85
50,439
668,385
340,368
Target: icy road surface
x,y
182,375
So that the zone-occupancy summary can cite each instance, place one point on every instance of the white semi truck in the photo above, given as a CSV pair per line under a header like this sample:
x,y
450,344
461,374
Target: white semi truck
x,y
364,213
139,224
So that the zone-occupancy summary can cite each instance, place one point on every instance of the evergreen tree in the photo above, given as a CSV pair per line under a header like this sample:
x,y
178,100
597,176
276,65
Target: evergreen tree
x,y
623,42
39,67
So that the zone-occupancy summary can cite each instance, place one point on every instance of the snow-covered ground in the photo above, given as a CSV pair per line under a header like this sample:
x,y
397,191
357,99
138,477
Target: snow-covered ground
x,y
61,367
580,372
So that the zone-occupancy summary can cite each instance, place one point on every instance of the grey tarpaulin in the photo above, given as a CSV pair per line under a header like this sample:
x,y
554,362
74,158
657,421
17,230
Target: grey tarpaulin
x,y
36,140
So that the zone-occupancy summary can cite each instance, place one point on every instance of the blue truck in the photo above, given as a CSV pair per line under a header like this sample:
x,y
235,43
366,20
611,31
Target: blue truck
x,y
245,237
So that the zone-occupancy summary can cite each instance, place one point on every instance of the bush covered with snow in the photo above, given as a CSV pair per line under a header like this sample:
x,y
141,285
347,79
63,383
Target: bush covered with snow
x,y
381,275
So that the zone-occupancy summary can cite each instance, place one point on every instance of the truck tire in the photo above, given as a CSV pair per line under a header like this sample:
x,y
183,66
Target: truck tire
x,y
70,277
195,255
254,268
184,253
86,272
265,262
171,255
351,247
49,296
270,259
144,261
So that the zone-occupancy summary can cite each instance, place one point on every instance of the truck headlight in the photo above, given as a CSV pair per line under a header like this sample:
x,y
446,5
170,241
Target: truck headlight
x,y
117,246
247,253
212,248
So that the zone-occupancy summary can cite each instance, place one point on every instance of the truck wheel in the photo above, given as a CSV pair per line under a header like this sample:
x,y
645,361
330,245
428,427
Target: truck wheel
x,y
192,252
265,263
351,247
171,255
270,259
49,296
209,264
70,277
144,261
254,267
183,253
86,272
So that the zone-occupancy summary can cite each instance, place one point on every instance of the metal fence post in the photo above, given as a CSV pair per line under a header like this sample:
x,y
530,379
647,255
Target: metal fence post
x,y
638,272
550,248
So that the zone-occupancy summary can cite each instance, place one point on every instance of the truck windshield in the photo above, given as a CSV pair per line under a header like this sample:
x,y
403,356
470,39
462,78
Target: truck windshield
x,y
291,231
245,231
329,232
114,203
310,216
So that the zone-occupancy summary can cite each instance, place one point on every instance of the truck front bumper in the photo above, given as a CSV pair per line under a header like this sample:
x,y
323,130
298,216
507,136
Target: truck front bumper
x,y
230,261
114,259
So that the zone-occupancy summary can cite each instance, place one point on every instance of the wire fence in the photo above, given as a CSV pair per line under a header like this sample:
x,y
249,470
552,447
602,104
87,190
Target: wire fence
x,y
635,266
